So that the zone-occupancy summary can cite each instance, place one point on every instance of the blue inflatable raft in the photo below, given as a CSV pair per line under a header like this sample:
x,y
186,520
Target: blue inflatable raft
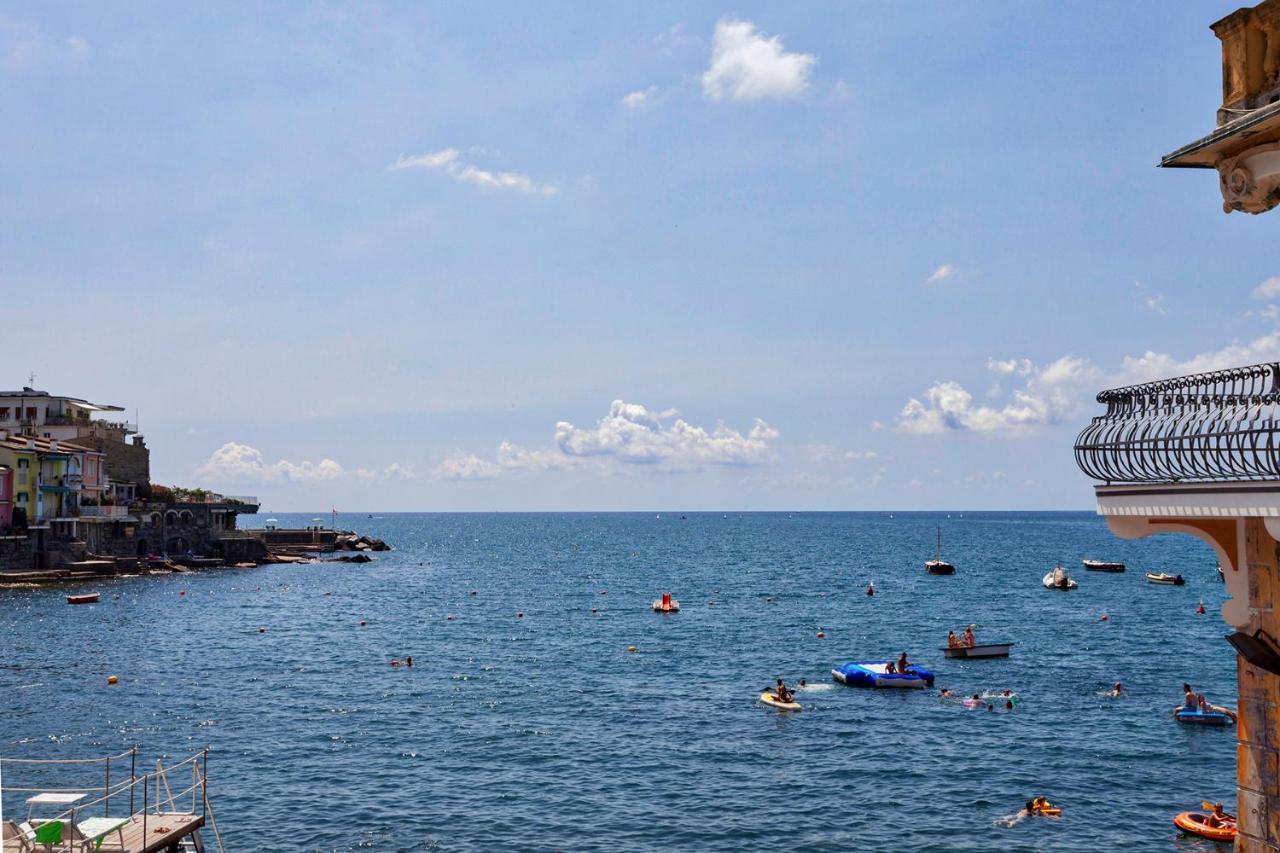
x,y
1204,718
876,674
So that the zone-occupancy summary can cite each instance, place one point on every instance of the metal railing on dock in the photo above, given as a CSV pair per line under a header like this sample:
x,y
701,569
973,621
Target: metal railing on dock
x,y
1206,427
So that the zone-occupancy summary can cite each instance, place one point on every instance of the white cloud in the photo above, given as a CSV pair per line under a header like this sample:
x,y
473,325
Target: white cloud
x,y
449,161
1019,366
1062,389
943,272
630,434
466,466
1155,303
396,471
240,463
1269,289
1050,395
860,455
26,49
638,98
746,65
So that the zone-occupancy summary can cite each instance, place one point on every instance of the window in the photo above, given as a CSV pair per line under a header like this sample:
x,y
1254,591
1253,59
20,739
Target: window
x,y
23,497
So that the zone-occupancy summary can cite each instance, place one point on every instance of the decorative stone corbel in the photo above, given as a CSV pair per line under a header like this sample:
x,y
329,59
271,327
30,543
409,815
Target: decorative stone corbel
x,y
1250,180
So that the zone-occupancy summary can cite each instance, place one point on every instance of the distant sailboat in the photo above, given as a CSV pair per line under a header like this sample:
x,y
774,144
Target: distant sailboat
x,y
939,566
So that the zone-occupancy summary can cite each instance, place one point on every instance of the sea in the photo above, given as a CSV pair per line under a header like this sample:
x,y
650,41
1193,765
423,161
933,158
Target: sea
x,y
549,708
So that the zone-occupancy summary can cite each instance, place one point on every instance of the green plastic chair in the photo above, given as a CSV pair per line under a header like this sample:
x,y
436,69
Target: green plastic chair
x,y
49,833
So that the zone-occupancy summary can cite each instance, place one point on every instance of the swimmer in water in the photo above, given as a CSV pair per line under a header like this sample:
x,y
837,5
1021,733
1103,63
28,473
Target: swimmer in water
x,y
1118,690
945,693
871,590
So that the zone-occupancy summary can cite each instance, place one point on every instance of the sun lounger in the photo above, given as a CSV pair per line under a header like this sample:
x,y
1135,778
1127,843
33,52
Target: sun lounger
x,y
16,838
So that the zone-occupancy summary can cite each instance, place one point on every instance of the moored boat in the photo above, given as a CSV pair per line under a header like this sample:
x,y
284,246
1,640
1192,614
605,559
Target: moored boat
x,y
939,566
1059,579
981,650
1162,577
1102,566
86,598
876,674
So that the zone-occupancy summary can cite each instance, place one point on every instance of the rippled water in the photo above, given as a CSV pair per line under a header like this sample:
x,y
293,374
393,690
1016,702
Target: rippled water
x,y
544,732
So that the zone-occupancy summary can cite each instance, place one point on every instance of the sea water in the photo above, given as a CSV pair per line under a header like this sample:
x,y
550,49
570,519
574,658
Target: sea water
x,y
525,722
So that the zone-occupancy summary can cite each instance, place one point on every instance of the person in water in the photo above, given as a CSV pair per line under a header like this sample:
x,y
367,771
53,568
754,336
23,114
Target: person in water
x,y
945,693
1219,817
969,639
1038,805
1118,690
952,641
782,693
408,660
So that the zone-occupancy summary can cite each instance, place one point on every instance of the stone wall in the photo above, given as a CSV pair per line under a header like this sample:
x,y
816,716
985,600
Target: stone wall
x,y
16,554
125,463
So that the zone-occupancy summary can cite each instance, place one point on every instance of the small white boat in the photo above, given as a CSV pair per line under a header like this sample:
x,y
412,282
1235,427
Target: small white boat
x,y
1059,579
1102,566
982,650
1167,579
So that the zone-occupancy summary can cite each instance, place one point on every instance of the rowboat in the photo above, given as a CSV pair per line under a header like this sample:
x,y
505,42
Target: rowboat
x,y
1161,577
982,650
86,598
1102,566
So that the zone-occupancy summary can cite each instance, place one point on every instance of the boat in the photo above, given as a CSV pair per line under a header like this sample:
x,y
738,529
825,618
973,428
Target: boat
x,y
939,566
1161,577
1193,823
666,604
771,699
981,650
1102,566
1059,579
1215,717
86,598
876,674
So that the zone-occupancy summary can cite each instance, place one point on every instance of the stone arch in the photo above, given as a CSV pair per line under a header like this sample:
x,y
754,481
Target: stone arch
x,y
171,517
155,518
142,547
176,545
186,517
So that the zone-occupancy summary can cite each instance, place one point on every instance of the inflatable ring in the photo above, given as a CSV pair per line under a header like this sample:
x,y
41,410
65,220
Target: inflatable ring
x,y
1193,823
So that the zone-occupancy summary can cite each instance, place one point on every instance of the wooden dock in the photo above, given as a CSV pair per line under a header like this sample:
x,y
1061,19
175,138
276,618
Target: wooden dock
x,y
158,832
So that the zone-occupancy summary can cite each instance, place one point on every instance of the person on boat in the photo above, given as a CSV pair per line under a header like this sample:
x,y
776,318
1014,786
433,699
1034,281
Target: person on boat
x,y
1219,817
903,663
969,639
783,694
952,641
890,667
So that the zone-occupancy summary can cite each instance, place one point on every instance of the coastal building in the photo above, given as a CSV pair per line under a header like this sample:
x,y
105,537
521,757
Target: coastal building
x,y
1199,454
125,456
6,497
1244,147
19,455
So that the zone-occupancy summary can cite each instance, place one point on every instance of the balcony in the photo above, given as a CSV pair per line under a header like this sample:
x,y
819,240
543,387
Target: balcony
x,y
1203,428
104,511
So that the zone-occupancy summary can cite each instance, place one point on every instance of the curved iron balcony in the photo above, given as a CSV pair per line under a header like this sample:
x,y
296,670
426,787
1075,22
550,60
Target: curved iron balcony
x,y
1200,428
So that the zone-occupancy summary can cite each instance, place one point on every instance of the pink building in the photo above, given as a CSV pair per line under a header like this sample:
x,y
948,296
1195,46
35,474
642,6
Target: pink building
x,y
6,496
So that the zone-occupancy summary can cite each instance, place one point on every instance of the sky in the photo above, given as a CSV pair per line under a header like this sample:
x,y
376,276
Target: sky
x,y
566,256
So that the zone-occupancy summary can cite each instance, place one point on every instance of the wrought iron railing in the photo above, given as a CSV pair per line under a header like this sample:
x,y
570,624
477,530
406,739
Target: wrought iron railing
x,y
1223,425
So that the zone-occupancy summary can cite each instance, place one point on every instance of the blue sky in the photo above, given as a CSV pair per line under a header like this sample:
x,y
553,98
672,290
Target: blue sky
x,y
560,256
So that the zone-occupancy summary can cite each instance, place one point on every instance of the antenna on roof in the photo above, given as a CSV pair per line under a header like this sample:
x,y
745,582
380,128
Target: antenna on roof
x,y
31,379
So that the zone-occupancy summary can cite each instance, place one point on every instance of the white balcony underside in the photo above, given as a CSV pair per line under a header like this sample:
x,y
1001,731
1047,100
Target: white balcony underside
x,y
1251,499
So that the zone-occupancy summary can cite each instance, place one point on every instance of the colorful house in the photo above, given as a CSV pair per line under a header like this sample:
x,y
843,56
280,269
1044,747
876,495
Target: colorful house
x,y
18,453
